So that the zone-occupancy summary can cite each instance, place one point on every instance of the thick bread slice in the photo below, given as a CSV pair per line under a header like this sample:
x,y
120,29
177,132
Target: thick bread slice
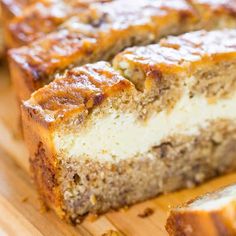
x,y
101,138
99,33
212,214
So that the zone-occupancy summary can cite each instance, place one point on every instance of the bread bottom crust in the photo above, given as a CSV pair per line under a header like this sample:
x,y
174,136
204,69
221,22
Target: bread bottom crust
x,y
87,186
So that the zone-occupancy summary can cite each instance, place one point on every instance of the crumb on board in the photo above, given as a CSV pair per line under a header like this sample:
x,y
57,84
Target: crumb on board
x,y
146,213
43,208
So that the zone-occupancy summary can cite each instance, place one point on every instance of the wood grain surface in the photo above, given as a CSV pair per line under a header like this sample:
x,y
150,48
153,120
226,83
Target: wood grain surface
x,y
20,211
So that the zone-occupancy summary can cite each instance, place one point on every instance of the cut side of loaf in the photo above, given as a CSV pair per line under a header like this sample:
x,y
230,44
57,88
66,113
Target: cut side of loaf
x,y
161,118
97,34
212,214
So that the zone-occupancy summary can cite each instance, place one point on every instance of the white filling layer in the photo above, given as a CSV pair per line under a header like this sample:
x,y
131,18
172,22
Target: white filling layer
x,y
121,136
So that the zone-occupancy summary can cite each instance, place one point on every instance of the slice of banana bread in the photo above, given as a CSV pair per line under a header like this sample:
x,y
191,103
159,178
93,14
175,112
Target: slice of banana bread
x,y
161,119
211,214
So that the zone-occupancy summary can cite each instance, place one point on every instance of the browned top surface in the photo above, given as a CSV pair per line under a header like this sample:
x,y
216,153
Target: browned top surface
x,y
80,88
103,21
185,51
43,17
87,86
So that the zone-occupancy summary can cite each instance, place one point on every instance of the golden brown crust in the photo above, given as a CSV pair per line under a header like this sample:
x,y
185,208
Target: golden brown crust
x,y
26,27
194,221
98,34
183,54
9,10
79,89
87,86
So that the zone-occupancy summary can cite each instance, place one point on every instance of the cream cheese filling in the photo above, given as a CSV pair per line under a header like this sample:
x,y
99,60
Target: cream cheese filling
x,y
119,136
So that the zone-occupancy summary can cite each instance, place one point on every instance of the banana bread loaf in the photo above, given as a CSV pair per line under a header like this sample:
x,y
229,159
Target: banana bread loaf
x,y
162,118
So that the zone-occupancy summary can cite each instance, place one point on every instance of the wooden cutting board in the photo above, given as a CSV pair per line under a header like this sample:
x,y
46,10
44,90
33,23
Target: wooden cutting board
x,y
20,212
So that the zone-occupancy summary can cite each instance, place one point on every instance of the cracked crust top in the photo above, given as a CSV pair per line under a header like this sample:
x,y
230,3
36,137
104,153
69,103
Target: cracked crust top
x,y
175,54
79,89
51,14
26,28
83,88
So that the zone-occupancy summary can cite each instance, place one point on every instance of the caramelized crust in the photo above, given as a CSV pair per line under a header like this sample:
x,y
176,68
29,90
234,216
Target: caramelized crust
x,y
98,33
105,29
178,57
79,89
183,54
26,28
51,14
9,10
216,219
